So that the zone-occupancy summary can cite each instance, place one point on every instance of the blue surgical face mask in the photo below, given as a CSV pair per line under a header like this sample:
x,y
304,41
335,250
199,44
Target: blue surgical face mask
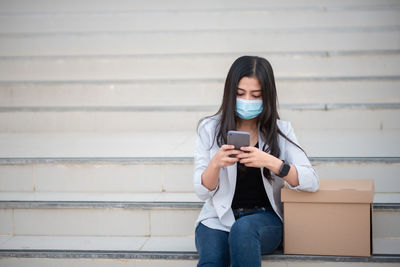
x,y
248,109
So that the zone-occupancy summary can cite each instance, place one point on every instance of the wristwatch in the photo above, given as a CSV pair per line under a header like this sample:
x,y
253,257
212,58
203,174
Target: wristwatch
x,y
284,170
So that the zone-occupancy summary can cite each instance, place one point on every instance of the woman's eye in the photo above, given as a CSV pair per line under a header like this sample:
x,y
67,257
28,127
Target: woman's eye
x,y
240,94
256,96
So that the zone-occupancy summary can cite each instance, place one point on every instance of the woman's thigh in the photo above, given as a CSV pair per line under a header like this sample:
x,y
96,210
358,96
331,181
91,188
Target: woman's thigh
x,y
212,246
264,227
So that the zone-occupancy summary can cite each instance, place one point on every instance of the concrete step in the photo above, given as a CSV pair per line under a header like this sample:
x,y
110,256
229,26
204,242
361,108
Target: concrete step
x,y
177,259
314,41
262,18
182,200
156,175
332,143
61,251
92,214
99,217
190,93
43,6
326,117
96,243
152,251
57,214
386,233
193,66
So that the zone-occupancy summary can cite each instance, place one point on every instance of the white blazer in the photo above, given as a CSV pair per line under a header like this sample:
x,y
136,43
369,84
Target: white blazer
x,y
217,212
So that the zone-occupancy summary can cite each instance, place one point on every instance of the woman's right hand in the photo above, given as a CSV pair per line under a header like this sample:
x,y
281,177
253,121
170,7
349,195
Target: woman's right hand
x,y
222,159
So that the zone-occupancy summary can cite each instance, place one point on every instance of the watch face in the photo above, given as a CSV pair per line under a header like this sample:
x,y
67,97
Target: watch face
x,y
285,170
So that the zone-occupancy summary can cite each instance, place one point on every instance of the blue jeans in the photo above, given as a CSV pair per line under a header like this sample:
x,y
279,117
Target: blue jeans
x,y
252,235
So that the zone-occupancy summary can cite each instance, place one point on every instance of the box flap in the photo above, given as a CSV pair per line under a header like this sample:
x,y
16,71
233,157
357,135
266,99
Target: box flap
x,y
334,190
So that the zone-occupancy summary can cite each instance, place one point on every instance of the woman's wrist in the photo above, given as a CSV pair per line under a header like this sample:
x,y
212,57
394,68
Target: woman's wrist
x,y
273,163
210,175
214,165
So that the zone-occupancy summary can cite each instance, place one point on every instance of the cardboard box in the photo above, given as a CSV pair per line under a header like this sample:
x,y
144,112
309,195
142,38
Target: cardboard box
x,y
335,220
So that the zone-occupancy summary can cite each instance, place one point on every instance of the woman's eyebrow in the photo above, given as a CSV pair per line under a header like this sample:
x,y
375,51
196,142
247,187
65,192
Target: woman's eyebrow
x,y
256,90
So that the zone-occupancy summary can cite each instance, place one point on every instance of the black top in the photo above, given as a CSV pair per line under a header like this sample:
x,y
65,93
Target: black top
x,y
249,191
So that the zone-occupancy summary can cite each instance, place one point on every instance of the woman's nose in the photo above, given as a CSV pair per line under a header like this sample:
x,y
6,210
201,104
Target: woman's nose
x,y
247,97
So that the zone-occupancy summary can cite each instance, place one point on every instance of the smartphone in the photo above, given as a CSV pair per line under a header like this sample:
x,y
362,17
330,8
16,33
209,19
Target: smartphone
x,y
238,139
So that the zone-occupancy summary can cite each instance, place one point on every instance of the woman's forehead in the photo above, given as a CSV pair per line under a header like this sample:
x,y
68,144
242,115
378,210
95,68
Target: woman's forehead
x,y
249,83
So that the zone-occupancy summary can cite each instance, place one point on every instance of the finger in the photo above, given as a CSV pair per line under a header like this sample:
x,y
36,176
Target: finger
x,y
243,155
246,160
248,148
230,161
250,165
227,147
233,152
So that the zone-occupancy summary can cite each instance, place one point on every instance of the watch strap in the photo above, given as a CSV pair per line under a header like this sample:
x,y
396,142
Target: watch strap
x,y
284,170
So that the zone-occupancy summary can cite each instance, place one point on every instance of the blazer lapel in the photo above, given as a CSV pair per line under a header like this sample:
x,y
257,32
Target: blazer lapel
x,y
232,171
267,185
261,141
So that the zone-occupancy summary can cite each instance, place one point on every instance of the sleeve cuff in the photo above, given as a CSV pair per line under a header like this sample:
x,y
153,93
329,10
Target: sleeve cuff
x,y
297,188
205,192
308,179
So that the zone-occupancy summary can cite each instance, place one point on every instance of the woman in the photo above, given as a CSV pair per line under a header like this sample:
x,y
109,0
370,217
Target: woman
x,y
242,215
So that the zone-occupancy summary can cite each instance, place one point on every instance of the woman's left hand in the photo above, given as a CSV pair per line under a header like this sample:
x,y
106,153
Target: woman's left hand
x,y
254,157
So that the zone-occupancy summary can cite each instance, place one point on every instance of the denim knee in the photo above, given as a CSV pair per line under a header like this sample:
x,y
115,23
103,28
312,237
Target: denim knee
x,y
248,234
212,246
271,238
242,233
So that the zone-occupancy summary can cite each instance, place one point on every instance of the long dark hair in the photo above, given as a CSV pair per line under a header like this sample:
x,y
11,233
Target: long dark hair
x,y
260,68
